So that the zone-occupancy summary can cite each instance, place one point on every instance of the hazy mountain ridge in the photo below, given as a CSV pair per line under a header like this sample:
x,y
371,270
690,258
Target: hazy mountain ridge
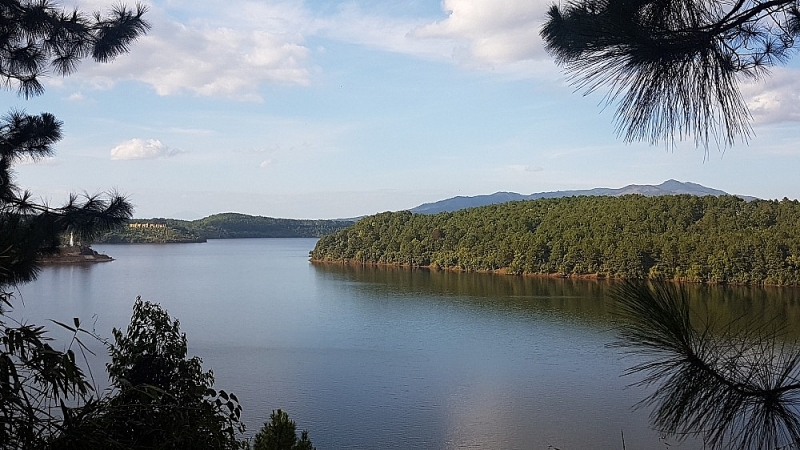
x,y
669,187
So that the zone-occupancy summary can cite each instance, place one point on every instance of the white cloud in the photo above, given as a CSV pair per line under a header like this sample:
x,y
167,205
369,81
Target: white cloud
x,y
76,97
489,32
190,131
232,48
519,169
209,57
776,98
523,168
268,150
142,149
478,34
266,163
350,24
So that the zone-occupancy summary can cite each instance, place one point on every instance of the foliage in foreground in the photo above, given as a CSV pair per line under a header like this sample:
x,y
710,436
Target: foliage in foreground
x,y
160,399
35,379
682,237
734,385
673,67
38,39
280,433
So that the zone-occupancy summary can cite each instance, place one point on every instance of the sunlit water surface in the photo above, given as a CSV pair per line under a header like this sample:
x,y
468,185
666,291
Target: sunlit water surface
x,y
376,358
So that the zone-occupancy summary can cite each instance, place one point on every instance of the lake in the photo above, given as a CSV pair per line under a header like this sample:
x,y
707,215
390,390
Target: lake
x,y
379,358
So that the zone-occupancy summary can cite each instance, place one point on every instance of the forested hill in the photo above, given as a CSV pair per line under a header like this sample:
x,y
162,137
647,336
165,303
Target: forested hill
x,y
233,225
703,239
219,226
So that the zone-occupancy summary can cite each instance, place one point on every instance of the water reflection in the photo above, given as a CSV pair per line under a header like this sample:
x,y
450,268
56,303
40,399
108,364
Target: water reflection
x,y
577,299
569,297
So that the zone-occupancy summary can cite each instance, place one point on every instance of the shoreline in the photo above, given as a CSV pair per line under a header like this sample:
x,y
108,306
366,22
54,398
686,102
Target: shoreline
x,y
505,272
502,271
84,255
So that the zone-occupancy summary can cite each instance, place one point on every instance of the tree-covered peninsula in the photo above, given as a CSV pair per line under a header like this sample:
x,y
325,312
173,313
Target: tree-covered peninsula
x,y
682,237
218,226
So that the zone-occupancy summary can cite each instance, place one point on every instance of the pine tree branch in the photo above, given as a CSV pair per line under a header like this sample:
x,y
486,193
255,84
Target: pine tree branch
x,y
736,386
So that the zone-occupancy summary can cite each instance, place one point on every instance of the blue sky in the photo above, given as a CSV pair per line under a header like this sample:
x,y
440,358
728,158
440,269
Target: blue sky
x,y
331,109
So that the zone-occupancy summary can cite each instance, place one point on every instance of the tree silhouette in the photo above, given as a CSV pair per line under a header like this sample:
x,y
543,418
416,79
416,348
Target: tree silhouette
x,y
673,66
160,398
280,433
38,38
735,385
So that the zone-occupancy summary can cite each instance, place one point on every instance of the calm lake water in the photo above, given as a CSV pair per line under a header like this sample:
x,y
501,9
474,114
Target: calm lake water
x,y
376,358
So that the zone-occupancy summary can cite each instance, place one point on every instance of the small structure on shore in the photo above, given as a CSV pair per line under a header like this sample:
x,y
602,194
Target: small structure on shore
x,y
75,255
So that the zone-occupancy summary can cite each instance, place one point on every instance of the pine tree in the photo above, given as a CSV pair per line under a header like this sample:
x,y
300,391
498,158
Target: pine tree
x,y
280,433
673,67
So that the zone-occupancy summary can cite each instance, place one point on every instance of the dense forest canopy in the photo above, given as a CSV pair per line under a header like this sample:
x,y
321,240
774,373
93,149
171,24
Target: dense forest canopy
x,y
699,239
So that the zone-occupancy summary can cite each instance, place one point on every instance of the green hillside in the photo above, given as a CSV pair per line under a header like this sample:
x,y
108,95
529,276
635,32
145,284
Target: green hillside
x,y
218,226
700,239
156,231
233,225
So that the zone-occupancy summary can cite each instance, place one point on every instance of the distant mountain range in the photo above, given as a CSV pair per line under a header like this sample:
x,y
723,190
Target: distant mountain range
x,y
669,187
